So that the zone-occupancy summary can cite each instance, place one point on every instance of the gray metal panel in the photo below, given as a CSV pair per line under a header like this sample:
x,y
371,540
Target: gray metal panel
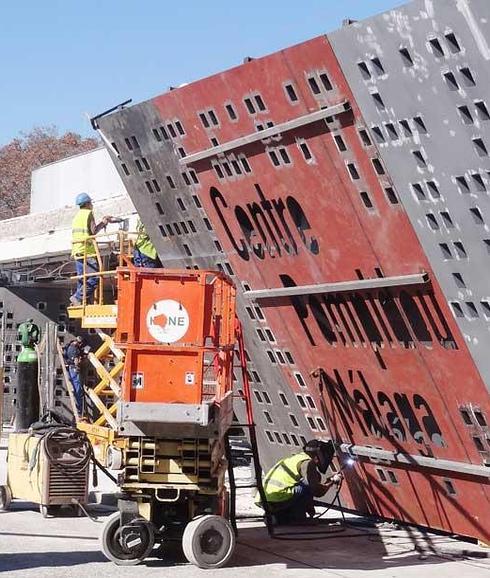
x,y
161,210
396,65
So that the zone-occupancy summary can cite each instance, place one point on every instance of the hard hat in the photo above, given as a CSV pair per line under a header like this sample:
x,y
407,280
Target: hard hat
x,y
82,199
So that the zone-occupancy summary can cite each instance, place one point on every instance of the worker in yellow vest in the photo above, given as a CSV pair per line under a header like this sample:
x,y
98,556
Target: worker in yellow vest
x,y
144,252
291,485
83,227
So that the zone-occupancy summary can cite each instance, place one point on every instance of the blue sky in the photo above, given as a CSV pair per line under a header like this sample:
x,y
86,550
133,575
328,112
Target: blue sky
x,y
62,58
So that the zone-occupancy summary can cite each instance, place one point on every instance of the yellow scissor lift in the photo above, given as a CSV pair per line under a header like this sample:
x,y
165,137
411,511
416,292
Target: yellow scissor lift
x,y
170,450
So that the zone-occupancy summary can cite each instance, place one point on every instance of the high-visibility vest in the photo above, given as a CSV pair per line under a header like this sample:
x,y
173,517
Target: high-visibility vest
x,y
143,242
79,233
281,479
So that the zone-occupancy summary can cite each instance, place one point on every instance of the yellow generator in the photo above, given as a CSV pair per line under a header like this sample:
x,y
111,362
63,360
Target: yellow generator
x,y
48,467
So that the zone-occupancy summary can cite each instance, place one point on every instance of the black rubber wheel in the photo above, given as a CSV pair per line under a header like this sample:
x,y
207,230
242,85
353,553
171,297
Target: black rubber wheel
x,y
209,541
5,498
124,550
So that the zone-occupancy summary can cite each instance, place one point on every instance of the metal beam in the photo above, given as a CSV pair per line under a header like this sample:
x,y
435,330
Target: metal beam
x,y
414,460
268,132
340,287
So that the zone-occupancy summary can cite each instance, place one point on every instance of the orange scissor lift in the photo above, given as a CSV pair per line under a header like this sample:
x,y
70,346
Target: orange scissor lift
x,y
165,404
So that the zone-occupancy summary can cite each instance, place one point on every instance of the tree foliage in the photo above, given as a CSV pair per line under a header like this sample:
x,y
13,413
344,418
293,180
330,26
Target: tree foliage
x,y
18,158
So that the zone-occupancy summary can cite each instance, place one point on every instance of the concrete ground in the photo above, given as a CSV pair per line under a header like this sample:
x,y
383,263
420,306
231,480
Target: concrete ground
x,y
67,546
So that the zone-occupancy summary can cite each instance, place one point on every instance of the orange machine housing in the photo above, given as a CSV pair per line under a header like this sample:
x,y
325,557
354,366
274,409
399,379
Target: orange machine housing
x,y
177,329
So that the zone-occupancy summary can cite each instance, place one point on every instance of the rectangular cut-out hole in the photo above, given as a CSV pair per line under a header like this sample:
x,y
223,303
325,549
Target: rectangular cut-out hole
x,y
381,474
419,158
391,130
194,177
299,379
191,226
181,204
310,401
204,120
366,200
463,185
179,127
159,209
452,42
315,89
156,186
457,309
149,187
436,47
125,169
366,141
449,487
407,131
268,417
289,357
482,110
451,81
459,281
213,117
460,250
170,231
465,414
465,114
433,189
164,133
260,103
485,305
293,419
419,123
468,78
480,148
377,66
418,192
218,246
327,85
227,168
135,142
231,111
249,105
162,230
274,158
245,164
364,69
187,250
392,476
432,221
218,170
321,424
214,141
139,166
177,229
157,135
477,216
391,195
305,151
378,101
146,164
236,167
339,141
171,130
378,134
479,444
406,57
291,93
285,156
480,418
185,176
182,152
209,227
447,220
311,422
351,167
378,167
478,182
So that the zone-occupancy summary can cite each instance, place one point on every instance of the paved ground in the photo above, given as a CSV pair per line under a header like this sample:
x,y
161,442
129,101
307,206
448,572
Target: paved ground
x,y
68,547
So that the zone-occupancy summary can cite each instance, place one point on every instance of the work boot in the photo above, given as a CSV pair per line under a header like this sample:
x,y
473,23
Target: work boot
x,y
75,301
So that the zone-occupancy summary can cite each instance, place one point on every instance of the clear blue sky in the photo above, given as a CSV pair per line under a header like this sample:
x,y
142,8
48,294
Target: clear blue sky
x,y
62,58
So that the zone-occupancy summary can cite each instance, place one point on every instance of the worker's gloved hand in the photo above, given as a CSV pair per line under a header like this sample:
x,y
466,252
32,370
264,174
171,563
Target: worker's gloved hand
x,y
337,478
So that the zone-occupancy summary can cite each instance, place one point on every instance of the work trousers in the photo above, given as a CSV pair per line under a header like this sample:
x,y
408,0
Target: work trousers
x,y
92,282
142,260
74,374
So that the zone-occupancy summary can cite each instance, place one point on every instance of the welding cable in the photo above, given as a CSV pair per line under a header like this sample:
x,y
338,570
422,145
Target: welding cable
x,y
76,444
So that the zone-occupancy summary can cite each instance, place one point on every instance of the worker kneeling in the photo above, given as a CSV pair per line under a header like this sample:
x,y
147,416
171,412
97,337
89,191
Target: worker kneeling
x,y
291,485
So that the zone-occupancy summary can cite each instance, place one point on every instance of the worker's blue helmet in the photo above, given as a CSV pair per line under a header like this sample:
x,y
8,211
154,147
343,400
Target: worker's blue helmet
x,y
82,199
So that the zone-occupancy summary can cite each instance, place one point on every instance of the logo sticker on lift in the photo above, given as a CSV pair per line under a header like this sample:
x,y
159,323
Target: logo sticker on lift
x,y
167,321
137,381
